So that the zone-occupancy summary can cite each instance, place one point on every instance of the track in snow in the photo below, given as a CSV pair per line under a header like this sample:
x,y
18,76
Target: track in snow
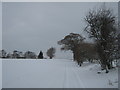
x,y
55,73
72,78
40,74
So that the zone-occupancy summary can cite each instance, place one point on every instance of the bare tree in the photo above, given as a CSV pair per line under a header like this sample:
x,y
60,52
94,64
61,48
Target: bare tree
x,y
51,52
101,25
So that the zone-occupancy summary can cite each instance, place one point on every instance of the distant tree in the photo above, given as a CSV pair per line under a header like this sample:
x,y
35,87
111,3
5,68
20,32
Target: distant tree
x,y
40,56
51,52
30,55
101,25
9,55
16,54
21,54
72,42
3,53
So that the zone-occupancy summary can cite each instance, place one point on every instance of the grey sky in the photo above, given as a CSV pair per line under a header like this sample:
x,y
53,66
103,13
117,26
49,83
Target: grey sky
x,y
38,26
0,25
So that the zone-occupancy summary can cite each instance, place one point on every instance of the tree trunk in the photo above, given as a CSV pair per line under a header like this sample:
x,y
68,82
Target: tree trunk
x,y
109,64
74,56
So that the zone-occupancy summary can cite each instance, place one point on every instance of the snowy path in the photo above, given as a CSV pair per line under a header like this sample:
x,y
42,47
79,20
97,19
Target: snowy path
x,y
40,74
56,73
72,80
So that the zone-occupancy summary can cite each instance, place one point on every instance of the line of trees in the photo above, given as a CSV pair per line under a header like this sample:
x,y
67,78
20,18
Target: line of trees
x,y
81,50
28,54
102,28
17,54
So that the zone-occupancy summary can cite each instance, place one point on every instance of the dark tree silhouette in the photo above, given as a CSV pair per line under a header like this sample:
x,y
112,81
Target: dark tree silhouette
x,y
3,53
72,42
40,56
16,54
101,25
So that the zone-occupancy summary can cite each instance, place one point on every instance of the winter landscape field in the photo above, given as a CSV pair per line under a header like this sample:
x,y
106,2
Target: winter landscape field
x,y
55,73
60,44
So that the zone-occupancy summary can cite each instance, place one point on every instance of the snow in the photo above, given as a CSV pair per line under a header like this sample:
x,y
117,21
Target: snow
x,y
0,74
55,73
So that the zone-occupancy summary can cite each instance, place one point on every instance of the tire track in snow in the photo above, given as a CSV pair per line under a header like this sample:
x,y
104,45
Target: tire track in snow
x,y
78,78
72,78
65,76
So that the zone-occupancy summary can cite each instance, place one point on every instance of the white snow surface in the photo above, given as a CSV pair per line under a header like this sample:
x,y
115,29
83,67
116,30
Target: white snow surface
x,y
55,73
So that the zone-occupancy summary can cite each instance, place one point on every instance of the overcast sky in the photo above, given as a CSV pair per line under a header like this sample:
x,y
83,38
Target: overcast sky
x,y
0,25
38,26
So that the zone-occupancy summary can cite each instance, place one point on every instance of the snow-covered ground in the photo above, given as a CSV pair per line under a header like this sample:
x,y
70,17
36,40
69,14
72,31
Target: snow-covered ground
x,y
0,73
55,73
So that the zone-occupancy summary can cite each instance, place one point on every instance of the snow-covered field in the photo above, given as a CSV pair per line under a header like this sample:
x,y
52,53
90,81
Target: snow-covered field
x,y
55,73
